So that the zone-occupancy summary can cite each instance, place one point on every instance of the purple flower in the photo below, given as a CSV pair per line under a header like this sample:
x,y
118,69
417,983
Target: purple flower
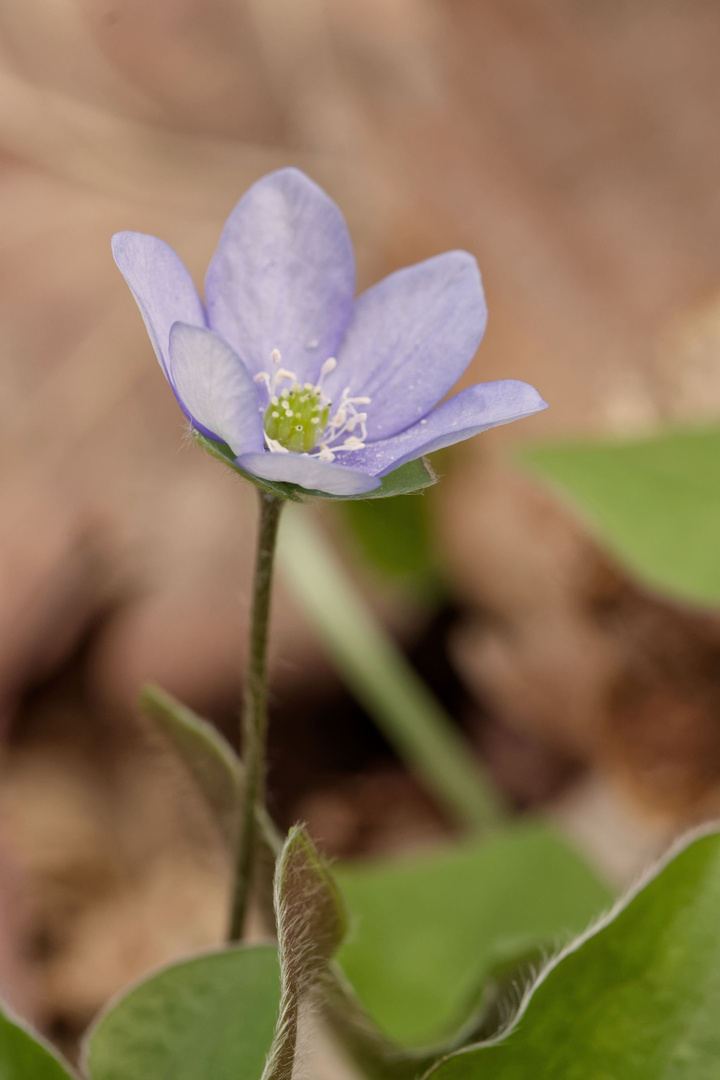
x,y
305,384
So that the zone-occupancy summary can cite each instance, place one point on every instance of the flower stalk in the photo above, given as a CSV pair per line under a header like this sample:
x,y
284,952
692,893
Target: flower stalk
x,y
254,714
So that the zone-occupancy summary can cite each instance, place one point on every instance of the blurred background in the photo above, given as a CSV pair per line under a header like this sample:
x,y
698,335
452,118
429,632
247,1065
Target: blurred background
x,y
572,148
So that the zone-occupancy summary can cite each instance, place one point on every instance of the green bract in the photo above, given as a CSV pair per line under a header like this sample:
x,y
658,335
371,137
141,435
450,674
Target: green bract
x,y
413,476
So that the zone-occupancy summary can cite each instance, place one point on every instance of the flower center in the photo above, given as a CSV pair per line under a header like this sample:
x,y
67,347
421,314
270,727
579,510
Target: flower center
x,y
296,418
300,419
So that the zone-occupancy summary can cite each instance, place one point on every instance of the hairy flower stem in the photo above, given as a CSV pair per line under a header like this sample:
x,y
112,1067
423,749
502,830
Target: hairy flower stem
x,y
254,716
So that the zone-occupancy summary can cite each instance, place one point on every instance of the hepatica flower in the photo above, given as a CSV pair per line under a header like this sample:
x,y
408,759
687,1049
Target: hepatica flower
x,y
301,383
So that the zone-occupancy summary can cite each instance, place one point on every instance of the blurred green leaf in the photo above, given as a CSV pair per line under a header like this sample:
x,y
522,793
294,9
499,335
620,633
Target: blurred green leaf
x,y
655,502
208,757
382,679
211,762
209,1017
24,1054
426,931
394,537
637,1000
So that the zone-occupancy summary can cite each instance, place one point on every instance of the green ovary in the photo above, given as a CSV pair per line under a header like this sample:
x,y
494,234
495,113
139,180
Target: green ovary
x,y
297,418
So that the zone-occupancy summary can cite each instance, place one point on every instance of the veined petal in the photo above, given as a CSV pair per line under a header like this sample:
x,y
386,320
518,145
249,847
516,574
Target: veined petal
x,y
283,276
410,339
476,409
161,285
218,393
308,472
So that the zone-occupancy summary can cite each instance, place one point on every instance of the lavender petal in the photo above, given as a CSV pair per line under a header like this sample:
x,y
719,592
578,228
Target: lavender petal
x,y
476,409
410,339
161,285
218,393
283,276
308,472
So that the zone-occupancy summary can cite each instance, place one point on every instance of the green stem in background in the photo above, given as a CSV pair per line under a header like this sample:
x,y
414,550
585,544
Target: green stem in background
x,y
254,717
382,680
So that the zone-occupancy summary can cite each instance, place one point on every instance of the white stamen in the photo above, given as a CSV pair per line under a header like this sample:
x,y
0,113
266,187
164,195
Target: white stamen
x,y
338,432
358,418
275,446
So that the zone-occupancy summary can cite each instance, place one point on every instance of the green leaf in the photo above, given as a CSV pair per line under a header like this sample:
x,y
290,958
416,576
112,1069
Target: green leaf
x,y
24,1054
639,999
208,757
209,1017
654,502
311,923
428,930
412,476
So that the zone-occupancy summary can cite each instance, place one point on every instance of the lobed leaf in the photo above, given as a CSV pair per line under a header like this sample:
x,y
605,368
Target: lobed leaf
x,y
24,1054
638,998
428,930
210,1016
